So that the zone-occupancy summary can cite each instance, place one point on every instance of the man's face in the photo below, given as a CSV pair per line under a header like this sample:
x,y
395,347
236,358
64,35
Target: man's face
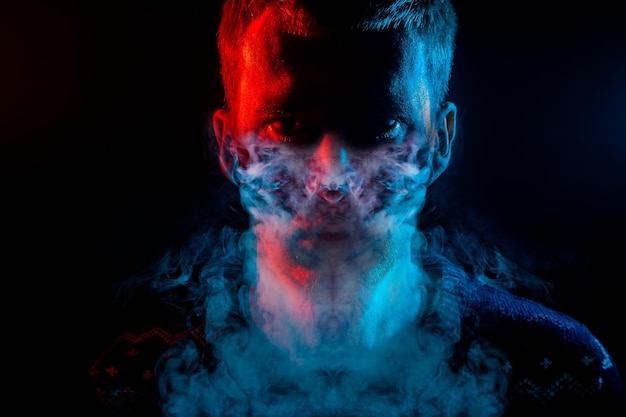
x,y
333,133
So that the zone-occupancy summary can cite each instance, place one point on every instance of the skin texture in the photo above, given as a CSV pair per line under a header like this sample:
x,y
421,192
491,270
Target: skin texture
x,y
333,139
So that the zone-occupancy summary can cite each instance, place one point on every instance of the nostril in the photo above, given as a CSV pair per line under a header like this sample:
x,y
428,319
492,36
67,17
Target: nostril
x,y
333,193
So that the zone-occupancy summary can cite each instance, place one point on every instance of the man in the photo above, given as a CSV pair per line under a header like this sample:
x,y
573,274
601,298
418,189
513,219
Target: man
x,y
333,302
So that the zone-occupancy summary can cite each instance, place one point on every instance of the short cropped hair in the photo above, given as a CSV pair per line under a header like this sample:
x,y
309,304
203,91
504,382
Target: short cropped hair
x,y
433,22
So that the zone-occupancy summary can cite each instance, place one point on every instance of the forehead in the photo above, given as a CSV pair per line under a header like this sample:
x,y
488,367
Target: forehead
x,y
327,67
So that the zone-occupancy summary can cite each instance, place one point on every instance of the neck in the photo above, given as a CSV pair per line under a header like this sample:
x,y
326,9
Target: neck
x,y
340,303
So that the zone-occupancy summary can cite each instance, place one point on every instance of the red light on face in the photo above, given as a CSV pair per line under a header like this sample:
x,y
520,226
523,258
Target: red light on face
x,y
284,266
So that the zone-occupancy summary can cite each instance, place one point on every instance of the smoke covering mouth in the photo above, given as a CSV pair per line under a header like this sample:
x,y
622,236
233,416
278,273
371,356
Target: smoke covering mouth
x,y
306,312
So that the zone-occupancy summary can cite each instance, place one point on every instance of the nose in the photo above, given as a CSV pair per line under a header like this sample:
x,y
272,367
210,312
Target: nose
x,y
332,165
333,193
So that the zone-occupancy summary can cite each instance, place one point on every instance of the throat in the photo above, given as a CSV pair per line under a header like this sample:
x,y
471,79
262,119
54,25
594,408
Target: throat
x,y
340,308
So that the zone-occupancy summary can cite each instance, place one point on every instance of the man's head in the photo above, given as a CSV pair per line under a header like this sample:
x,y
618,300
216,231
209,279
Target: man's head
x,y
334,125
431,22
266,34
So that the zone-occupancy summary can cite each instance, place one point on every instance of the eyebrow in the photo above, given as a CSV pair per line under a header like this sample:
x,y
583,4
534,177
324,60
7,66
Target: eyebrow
x,y
293,105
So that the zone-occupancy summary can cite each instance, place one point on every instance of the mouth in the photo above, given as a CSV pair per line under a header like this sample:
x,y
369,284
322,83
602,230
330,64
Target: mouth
x,y
324,229
331,225
330,220
327,229
332,235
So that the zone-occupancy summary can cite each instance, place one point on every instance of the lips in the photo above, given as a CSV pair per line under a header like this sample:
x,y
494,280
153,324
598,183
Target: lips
x,y
331,216
326,222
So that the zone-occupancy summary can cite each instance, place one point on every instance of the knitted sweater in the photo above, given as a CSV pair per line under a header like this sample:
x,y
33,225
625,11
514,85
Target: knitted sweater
x,y
556,366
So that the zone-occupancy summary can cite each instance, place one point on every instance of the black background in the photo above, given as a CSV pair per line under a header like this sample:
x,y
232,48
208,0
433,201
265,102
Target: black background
x,y
103,110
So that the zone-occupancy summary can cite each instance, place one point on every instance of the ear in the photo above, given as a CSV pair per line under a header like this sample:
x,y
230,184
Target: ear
x,y
446,126
230,155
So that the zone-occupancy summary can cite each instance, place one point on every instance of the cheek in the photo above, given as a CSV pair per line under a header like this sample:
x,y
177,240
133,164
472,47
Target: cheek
x,y
288,181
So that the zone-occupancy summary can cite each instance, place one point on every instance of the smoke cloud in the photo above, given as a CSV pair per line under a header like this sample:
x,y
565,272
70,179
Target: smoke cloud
x,y
323,307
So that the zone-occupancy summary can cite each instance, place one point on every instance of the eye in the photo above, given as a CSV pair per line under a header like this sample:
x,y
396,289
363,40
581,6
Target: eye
x,y
389,130
290,130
